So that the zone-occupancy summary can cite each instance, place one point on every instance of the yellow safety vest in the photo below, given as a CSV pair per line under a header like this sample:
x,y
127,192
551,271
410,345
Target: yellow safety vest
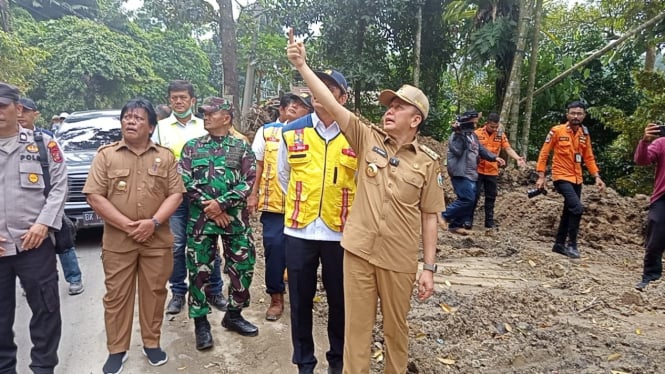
x,y
322,180
271,196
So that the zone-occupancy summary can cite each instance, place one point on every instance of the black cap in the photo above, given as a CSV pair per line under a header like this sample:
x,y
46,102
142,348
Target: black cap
x,y
470,113
28,103
304,97
8,93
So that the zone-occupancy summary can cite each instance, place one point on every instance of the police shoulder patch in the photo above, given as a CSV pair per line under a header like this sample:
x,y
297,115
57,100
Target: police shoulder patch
x,y
433,155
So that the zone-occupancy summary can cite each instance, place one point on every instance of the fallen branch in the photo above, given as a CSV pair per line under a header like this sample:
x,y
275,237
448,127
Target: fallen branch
x,y
591,305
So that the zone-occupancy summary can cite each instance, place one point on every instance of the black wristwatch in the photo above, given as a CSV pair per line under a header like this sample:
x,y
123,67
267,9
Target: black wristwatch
x,y
156,222
430,267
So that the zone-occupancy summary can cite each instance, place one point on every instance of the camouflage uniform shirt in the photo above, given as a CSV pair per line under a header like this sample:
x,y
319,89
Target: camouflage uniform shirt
x,y
219,168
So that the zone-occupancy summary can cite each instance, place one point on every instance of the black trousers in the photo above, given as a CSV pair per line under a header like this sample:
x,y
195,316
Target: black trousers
x,y
569,226
36,269
655,241
486,184
302,262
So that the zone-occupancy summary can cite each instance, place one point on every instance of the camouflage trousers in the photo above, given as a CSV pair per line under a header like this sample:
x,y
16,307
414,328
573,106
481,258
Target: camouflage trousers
x,y
239,258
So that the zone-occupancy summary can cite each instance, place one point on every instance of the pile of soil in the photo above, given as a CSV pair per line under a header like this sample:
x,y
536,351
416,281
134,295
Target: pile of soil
x,y
505,303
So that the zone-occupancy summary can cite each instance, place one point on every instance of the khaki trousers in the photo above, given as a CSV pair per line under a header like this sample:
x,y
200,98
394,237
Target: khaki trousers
x,y
152,268
364,284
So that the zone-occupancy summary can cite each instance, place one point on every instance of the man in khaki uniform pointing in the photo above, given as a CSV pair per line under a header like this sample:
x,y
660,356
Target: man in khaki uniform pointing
x,y
399,193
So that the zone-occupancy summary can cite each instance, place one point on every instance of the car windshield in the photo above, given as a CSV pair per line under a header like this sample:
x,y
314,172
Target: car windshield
x,y
89,134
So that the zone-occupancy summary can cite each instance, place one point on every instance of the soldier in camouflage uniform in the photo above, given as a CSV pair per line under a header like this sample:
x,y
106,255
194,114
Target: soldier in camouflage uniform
x,y
219,170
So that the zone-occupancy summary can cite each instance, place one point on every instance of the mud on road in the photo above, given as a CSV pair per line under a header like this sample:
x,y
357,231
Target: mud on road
x,y
504,303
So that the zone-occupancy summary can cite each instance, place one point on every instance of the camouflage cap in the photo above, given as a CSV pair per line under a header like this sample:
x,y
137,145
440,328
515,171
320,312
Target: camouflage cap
x,y
214,104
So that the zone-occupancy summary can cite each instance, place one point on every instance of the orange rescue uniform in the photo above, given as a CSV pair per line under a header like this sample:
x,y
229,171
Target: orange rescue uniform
x,y
570,149
494,143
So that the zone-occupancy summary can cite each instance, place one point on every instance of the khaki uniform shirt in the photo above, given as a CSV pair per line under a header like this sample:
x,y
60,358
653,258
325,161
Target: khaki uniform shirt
x,y
137,185
22,200
394,186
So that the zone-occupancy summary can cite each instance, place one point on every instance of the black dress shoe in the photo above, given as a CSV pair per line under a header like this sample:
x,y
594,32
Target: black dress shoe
x,y
467,225
642,286
573,252
560,249
234,321
202,333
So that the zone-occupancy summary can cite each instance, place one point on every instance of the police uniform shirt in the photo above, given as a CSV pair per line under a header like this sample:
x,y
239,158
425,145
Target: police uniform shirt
x,y
137,185
394,186
22,184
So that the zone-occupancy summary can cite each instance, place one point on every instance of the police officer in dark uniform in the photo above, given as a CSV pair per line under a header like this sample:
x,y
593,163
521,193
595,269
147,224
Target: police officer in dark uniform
x,y
26,245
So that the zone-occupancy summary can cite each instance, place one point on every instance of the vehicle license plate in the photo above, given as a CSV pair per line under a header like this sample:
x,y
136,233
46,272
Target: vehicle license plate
x,y
90,218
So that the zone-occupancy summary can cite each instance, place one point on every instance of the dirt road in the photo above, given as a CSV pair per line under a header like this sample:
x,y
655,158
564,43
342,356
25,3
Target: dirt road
x,y
503,303
83,345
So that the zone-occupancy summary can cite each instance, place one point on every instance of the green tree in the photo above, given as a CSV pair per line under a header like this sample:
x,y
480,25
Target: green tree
x,y
627,178
18,60
188,17
52,9
92,69
175,56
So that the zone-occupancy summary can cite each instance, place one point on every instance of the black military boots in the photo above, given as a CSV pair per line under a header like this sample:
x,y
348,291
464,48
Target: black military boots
x,y
234,321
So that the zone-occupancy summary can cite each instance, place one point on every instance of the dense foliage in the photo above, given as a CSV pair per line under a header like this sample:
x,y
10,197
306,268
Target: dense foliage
x,y
83,54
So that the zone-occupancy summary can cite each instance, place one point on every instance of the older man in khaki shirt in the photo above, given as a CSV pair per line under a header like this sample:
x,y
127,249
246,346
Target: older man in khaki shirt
x,y
399,193
134,186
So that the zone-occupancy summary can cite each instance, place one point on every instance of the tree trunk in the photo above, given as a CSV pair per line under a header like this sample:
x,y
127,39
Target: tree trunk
x,y
227,35
251,74
259,82
5,19
533,68
360,48
510,107
650,57
416,47
601,52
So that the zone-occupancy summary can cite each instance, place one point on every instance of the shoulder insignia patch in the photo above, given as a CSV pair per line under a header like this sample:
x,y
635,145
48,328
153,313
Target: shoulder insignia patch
x,y
377,129
429,152
107,146
56,155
